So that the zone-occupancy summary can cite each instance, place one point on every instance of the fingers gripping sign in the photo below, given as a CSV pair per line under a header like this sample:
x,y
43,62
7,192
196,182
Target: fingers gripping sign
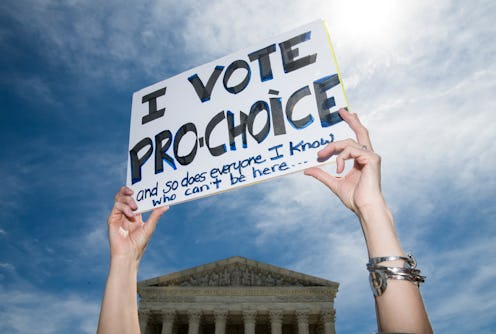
x,y
128,233
361,184
361,132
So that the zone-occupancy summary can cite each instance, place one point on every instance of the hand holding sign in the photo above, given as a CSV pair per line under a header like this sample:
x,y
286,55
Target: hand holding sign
x,y
360,187
128,234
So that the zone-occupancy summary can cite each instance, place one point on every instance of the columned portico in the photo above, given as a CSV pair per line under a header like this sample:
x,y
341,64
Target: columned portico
x,y
302,317
328,318
167,321
275,321
237,296
144,317
220,321
194,321
249,321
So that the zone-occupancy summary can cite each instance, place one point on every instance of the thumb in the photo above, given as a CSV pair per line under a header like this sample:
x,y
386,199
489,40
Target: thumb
x,y
152,221
327,179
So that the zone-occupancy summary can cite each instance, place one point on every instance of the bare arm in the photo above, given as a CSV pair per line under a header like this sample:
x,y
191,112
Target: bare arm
x,y
128,236
400,308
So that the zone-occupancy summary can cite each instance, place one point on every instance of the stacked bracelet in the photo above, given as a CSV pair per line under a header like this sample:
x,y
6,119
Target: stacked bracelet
x,y
380,274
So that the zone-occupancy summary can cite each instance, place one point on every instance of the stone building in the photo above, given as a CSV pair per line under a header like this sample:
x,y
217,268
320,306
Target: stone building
x,y
237,296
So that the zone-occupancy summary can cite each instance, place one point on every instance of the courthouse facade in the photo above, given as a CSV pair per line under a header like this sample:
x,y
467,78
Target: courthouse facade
x,y
237,296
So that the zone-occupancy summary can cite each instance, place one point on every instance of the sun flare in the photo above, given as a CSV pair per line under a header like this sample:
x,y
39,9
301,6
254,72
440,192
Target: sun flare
x,y
367,22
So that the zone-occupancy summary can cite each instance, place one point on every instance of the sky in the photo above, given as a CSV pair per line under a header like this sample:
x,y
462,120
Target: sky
x,y
421,75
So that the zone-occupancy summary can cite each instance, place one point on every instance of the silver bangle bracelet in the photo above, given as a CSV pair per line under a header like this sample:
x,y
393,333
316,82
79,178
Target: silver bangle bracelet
x,y
409,260
380,274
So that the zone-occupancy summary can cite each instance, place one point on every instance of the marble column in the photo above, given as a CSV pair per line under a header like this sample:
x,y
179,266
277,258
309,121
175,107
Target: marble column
x,y
328,318
194,321
249,320
144,316
275,322
302,318
220,321
167,321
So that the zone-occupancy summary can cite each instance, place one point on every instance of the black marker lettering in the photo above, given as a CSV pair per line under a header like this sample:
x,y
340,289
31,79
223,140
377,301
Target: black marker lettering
x,y
235,131
288,54
293,99
256,109
204,92
153,113
230,70
137,162
263,58
188,158
163,141
324,104
277,114
217,150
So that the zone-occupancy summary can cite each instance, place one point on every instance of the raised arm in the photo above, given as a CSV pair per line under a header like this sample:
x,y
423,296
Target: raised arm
x,y
400,307
128,236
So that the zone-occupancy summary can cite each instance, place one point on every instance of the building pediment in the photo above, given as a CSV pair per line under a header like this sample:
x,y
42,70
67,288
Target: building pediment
x,y
236,272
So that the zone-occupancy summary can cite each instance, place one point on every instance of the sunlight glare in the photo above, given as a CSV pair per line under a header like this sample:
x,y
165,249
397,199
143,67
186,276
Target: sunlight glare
x,y
367,22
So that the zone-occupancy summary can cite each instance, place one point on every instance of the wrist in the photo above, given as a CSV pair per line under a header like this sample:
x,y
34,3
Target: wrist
x,y
369,211
124,263
379,230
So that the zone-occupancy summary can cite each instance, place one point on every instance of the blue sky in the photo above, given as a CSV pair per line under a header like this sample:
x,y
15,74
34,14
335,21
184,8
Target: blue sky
x,y
420,73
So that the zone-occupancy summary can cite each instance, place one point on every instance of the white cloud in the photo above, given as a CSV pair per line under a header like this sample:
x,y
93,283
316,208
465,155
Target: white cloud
x,y
100,40
27,311
455,290
241,24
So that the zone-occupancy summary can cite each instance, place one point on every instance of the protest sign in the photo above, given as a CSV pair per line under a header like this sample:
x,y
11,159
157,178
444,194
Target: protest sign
x,y
253,115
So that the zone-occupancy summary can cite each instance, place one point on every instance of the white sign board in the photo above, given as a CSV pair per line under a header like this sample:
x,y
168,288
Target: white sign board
x,y
250,116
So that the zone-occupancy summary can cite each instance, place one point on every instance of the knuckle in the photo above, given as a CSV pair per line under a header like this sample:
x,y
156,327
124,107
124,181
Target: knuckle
x,y
119,193
350,141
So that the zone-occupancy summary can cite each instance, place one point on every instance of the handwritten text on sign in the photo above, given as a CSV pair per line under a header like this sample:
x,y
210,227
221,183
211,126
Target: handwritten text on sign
x,y
247,117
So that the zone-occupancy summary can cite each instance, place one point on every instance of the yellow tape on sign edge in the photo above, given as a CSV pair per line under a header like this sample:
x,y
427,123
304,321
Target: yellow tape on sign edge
x,y
336,63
